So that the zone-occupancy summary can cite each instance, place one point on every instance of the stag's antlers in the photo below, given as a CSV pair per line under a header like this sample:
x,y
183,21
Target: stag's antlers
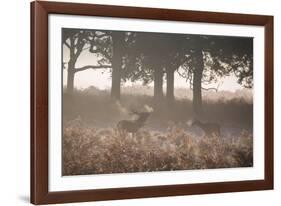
x,y
132,126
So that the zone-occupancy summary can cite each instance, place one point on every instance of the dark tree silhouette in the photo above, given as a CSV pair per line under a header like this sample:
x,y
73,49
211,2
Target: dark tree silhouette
x,y
118,39
156,54
76,41
149,59
174,57
197,59
211,57
201,59
112,49
240,58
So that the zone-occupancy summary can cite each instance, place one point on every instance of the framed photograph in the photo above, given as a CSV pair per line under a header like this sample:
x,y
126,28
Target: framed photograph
x,y
133,102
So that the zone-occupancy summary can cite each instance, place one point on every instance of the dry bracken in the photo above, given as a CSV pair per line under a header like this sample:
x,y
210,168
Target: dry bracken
x,y
90,150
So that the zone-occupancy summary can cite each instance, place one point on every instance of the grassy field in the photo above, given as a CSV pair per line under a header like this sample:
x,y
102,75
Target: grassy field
x,y
88,150
95,108
92,145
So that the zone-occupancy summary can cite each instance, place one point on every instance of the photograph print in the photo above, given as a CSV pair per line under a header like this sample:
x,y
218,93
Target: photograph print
x,y
151,102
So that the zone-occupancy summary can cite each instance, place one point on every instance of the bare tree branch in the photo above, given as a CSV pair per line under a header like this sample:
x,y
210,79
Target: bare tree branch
x,y
66,44
92,67
86,48
104,53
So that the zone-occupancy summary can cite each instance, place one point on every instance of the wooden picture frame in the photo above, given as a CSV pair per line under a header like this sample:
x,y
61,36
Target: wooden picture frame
x,y
39,102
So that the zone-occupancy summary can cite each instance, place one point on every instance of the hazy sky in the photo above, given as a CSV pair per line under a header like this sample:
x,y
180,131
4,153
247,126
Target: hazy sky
x,y
101,78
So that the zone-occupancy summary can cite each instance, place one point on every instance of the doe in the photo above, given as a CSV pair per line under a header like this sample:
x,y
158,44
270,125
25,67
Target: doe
x,y
210,129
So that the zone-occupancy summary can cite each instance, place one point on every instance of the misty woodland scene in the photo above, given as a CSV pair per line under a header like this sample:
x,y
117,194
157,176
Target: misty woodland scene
x,y
146,102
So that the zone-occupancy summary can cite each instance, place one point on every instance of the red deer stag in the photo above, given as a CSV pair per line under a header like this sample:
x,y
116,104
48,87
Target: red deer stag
x,y
210,129
132,126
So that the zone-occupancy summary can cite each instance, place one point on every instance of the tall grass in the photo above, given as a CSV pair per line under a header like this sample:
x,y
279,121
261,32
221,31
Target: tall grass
x,y
91,144
89,150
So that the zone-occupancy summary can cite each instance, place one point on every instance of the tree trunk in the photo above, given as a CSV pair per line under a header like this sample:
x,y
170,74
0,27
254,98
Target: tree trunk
x,y
170,85
158,83
70,77
116,82
117,46
197,78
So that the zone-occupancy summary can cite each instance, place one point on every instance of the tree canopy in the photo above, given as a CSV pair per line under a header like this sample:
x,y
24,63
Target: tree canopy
x,y
149,57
